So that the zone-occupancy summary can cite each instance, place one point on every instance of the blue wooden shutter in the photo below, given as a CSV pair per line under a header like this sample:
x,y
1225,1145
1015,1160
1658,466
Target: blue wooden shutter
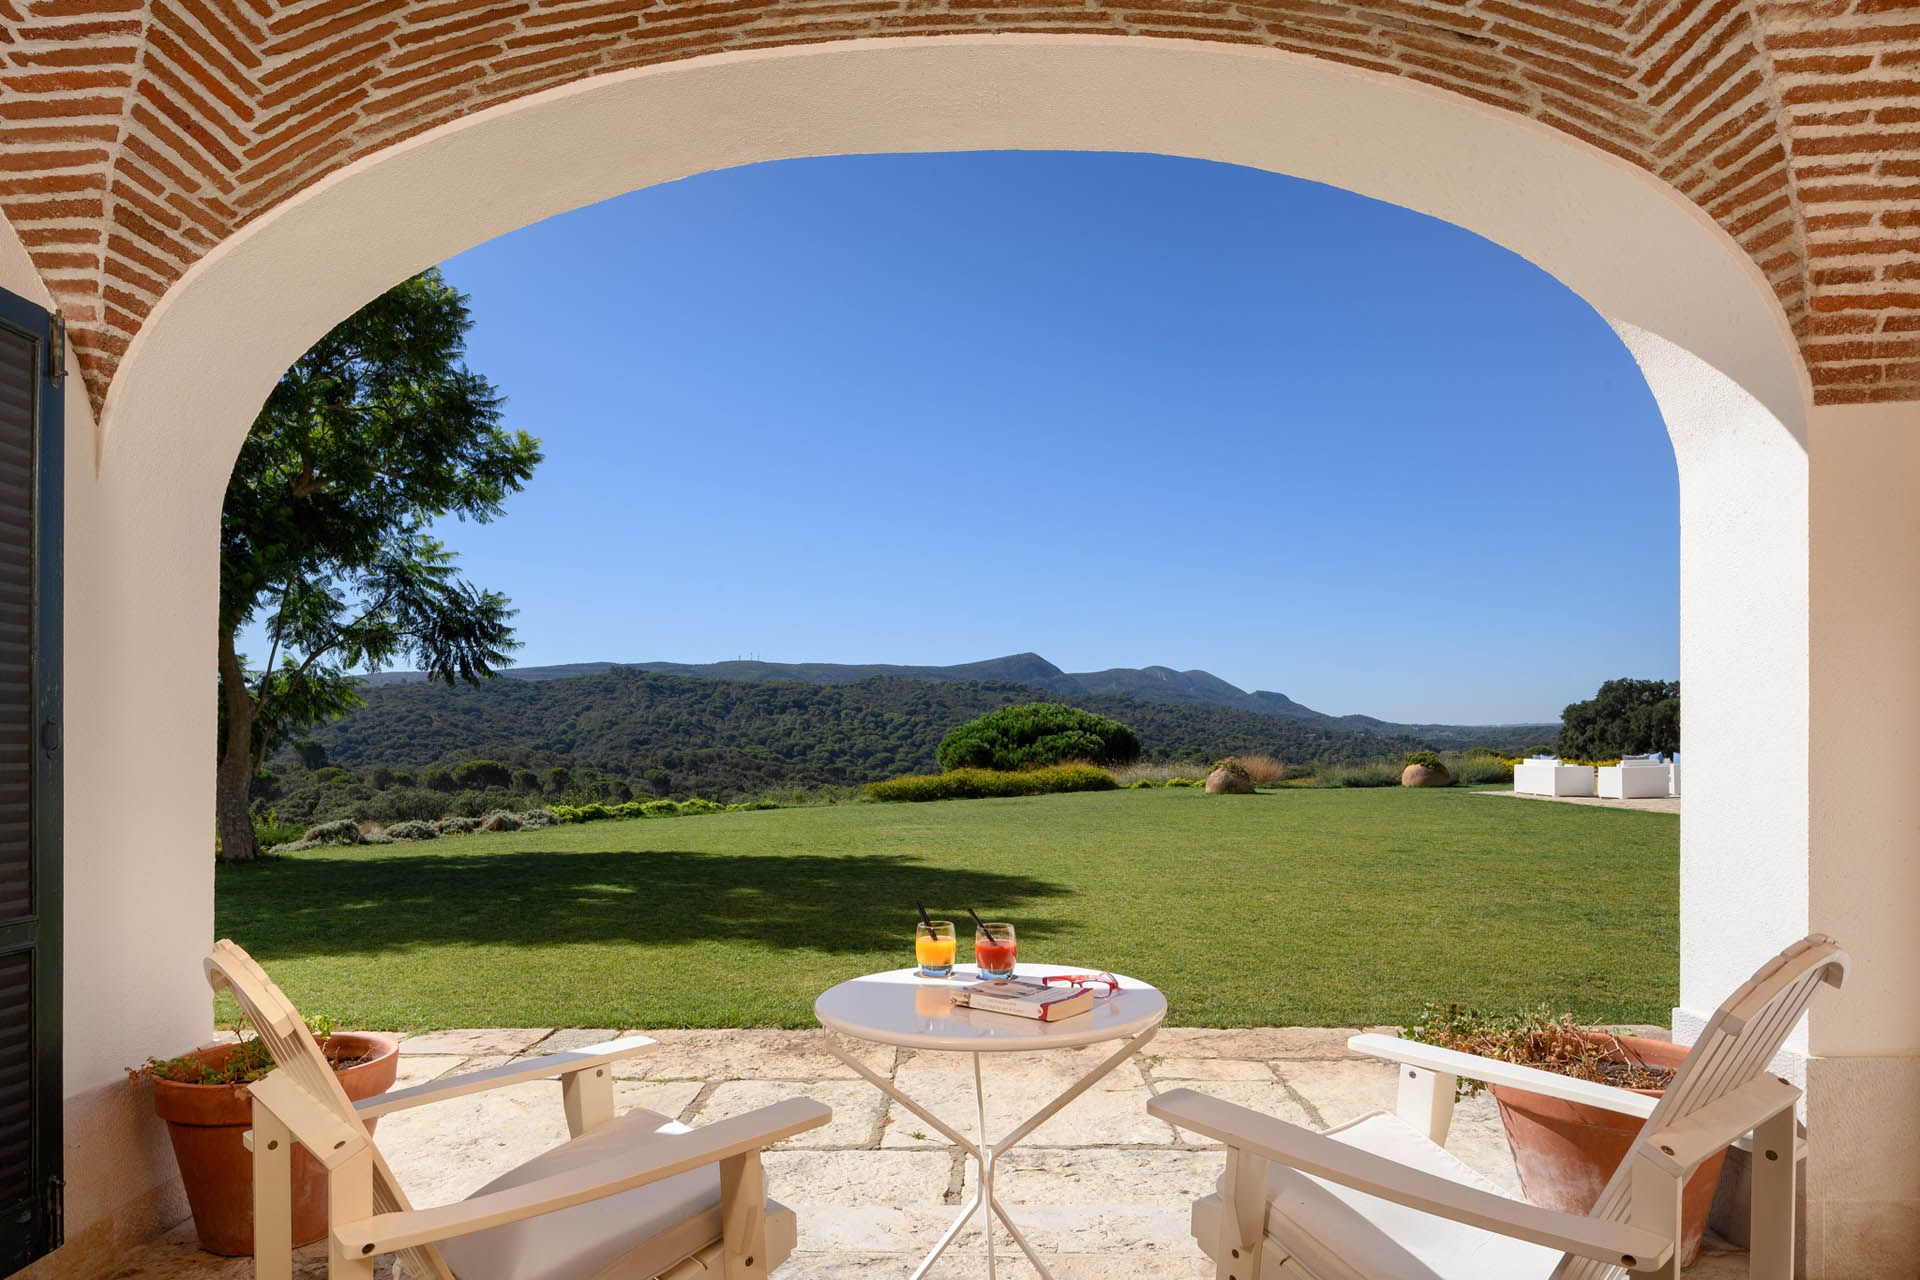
x,y
30,525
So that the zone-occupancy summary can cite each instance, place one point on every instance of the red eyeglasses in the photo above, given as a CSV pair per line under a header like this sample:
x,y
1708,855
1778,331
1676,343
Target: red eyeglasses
x,y
1107,980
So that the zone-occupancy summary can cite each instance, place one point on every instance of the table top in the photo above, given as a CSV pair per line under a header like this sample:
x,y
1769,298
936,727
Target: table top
x,y
903,1008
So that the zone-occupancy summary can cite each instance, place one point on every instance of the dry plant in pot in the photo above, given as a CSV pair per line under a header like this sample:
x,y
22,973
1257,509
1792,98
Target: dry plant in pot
x,y
203,1097
1565,1151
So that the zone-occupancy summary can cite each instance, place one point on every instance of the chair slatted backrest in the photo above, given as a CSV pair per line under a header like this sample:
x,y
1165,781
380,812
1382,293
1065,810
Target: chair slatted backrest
x,y
299,1057
1737,1045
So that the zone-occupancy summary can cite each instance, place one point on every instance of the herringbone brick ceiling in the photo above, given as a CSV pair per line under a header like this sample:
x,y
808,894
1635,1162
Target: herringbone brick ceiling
x,y
137,134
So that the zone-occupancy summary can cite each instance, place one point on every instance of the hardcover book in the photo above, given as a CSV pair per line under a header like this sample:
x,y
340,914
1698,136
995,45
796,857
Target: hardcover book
x,y
1025,999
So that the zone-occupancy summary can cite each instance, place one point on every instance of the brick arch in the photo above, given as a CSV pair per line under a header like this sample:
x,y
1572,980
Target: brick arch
x,y
139,134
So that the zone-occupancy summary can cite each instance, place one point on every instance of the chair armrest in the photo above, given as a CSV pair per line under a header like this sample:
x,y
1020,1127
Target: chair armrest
x,y
663,1158
1323,1157
1471,1066
553,1066
1687,1143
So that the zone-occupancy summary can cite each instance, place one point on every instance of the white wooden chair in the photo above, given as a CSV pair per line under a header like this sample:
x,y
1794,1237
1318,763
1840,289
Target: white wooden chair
x,y
1379,1199
629,1197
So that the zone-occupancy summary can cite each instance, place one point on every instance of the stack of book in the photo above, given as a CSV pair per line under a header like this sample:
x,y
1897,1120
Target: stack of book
x,y
1025,999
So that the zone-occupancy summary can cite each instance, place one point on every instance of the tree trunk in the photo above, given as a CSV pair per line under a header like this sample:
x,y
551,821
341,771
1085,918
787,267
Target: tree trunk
x,y
234,779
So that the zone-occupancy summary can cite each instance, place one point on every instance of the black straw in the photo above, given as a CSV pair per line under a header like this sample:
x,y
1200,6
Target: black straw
x,y
983,924
925,919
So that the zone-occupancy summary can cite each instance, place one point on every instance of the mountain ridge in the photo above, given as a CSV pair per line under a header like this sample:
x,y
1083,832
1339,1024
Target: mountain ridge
x,y
1159,684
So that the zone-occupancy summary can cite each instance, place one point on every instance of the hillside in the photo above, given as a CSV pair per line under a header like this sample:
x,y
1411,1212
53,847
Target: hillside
x,y
680,735
1146,684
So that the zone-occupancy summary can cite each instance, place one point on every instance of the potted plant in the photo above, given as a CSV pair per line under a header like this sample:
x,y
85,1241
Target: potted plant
x,y
204,1100
1424,769
1565,1152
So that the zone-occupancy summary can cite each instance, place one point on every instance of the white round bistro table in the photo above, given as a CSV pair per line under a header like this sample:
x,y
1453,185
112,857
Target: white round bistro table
x,y
904,1009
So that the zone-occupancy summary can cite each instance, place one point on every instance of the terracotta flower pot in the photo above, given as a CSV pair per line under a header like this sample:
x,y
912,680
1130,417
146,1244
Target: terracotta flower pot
x,y
1566,1151
206,1121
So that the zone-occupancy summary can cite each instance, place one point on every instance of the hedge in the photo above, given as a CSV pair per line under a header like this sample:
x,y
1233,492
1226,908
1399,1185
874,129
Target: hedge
x,y
980,784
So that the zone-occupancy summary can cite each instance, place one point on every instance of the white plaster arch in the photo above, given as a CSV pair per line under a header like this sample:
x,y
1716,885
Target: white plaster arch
x,y
1689,302
1633,247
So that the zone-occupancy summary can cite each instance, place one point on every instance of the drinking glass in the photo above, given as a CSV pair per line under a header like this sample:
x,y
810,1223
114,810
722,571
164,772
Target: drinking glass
x,y
933,947
994,949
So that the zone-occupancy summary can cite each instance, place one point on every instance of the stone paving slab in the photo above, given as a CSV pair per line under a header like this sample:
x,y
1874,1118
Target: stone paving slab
x,y
1645,804
471,1042
757,1055
1103,1190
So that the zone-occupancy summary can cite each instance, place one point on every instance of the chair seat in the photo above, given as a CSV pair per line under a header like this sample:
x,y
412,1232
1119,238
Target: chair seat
x,y
1331,1232
634,1235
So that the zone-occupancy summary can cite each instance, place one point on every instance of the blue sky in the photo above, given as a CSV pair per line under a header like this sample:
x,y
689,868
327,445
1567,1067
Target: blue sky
x,y
1115,409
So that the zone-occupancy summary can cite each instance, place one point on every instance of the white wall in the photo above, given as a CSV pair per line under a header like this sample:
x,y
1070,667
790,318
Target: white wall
x,y
138,875
142,546
1864,877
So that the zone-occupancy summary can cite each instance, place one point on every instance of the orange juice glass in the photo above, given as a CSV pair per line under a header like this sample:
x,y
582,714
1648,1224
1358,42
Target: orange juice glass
x,y
933,947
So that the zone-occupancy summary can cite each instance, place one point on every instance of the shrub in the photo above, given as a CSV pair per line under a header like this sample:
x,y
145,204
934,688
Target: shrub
x,y
1184,782
376,837
500,820
978,784
269,830
1427,758
659,809
1232,765
404,804
1480,771
1155,775
1262,768
458,826
414,829
343,831
1362,773
1034,734
534,818
696,804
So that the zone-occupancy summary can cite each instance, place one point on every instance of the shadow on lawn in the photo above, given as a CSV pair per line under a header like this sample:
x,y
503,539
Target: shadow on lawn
x,y
857,903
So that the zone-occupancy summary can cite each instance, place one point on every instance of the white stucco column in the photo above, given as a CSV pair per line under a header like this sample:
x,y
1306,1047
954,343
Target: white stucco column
x,y
1743,672
1864,870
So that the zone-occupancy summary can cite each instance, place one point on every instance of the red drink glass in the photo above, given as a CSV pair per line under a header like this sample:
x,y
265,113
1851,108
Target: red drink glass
x,y
994,949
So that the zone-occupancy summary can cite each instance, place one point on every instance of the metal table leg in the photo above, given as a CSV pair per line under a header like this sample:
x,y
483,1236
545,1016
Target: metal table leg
x,y
985,1154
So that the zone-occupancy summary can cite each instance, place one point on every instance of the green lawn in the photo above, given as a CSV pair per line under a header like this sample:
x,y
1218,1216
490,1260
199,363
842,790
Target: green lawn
x,y
1306,907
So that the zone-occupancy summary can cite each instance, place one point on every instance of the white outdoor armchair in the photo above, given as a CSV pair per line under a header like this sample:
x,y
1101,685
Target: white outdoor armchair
x,y
1548,777
629,1197
1639,778
1380,1199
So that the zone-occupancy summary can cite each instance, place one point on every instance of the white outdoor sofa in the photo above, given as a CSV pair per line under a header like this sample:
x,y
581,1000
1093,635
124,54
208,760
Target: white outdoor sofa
x,y
1636,778
1546,776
